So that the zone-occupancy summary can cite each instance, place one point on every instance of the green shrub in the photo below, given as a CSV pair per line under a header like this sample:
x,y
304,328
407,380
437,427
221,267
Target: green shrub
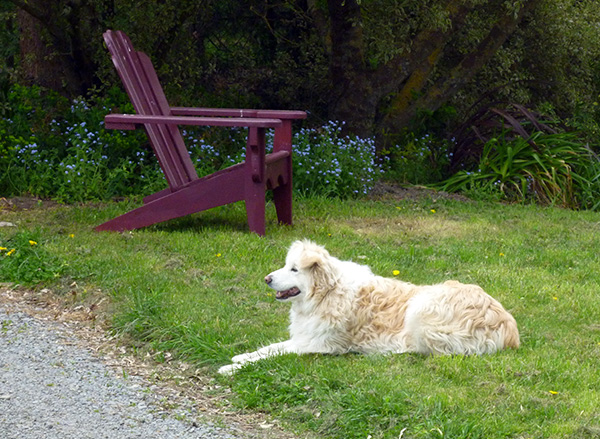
x,y
416,160
328,163
68,155
325,161
546,168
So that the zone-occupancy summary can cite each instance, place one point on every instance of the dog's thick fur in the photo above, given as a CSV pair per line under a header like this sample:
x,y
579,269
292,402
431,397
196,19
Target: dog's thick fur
x,y
340,306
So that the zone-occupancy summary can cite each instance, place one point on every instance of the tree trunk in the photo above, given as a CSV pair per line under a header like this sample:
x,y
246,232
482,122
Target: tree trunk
x,y
53,53
386,99
352,99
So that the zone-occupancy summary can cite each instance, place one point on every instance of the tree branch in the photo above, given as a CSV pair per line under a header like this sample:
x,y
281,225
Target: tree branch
x,y
42,11
465,70
30,8
428,46
321,24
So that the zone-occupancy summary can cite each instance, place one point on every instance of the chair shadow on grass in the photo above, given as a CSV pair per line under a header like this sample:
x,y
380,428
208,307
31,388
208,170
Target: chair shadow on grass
x,y
229,218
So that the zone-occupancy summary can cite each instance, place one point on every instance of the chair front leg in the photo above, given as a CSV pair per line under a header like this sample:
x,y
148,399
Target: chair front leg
x,y
255,180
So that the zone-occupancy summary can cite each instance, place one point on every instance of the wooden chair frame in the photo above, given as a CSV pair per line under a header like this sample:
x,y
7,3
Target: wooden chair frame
x,y
186,192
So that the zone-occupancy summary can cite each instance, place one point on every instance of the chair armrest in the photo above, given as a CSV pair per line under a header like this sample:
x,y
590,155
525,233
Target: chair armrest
x,y
233,112
131,121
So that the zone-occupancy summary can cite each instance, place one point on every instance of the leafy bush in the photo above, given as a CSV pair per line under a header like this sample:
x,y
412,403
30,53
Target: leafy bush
x,y
24,119
65,152
68,155
328,163
507,151
416,160
489,120
546,168
325,161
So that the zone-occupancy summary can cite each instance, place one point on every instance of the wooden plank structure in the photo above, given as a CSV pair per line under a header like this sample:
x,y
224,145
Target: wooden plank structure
x,y
186,192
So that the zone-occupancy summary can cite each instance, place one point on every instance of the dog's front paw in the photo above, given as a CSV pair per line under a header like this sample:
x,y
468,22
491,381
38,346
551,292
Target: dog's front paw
x,y
229,369
242,358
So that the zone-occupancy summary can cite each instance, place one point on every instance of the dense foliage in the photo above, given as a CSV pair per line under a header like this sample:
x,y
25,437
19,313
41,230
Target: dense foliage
x,y
546,168
413,79
373,64
59,149
68,155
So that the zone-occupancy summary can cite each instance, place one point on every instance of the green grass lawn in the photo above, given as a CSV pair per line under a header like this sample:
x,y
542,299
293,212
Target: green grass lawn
x,y
194,287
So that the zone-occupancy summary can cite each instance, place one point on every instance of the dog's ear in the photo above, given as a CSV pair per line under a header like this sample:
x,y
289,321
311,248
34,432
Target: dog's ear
x,y
317,260
311,254
311,258
323,281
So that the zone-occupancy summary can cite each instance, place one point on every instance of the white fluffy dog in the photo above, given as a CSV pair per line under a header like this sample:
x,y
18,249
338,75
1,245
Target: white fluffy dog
x,y
340,306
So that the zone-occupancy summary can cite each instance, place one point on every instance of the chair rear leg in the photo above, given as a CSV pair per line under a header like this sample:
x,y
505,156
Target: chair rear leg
x,y
282,194
282,197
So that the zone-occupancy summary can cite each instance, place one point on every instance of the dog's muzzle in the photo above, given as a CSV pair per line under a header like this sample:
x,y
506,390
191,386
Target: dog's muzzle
x,y
283,295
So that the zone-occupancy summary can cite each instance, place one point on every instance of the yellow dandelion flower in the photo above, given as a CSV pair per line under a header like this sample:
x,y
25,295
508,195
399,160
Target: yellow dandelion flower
x,y
218,255
555,298
2,249
432,210
71,235
553,392
10,252
32,242
329,234
396,272
501,254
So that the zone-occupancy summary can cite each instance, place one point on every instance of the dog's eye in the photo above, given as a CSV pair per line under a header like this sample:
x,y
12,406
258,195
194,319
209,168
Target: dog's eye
x,y
294,269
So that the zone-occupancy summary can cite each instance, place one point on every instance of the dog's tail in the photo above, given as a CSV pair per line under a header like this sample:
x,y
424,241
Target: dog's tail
x,y
511,334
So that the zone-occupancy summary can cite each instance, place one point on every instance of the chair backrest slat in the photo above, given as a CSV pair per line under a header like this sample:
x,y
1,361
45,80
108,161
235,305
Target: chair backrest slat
x,y
143,88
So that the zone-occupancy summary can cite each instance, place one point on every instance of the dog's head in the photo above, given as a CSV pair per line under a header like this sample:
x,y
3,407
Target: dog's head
x,y
307,273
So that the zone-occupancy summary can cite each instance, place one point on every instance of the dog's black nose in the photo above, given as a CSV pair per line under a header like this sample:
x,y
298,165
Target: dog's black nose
x,y
268,279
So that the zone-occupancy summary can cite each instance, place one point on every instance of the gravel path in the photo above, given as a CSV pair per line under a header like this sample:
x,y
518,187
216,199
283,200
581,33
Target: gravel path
x,y
52,388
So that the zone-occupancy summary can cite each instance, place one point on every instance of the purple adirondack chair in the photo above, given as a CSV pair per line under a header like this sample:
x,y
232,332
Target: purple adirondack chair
x,y
187,193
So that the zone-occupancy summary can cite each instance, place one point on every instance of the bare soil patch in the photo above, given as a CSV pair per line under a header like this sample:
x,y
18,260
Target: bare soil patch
x,y
26,203
389,191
